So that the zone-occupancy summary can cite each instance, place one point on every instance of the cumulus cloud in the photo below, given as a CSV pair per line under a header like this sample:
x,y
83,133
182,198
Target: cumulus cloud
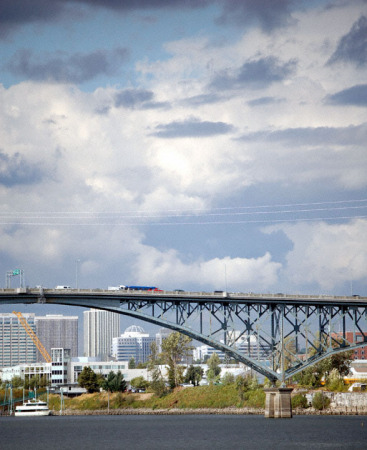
x,y
355,96
64,68
327,254
137,99
352,48
255,74
342,136
263,101
191,128
16,170
128,149
241,273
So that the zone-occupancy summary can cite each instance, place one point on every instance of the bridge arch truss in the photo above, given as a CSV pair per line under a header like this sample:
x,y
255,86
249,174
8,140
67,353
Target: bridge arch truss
x,y
276,335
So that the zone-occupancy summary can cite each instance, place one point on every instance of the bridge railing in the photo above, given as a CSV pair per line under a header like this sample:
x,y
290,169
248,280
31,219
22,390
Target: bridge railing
x,y
182,294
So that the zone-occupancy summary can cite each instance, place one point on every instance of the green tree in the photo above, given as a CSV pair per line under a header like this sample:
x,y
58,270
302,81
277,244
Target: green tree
x,y
174,348
34,382
228,378
115,382
88,379
132,364
214,370
299,401
335,381
313,375
16,381
320,401
242,383
194,375
139,383
142,365
157,385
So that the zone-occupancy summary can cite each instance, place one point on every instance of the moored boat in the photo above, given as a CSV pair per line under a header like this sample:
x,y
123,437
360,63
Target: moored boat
x,y
35,408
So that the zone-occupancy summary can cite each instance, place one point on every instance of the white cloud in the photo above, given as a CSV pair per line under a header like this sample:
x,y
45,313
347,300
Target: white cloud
x,y
327,254
94,157
237,274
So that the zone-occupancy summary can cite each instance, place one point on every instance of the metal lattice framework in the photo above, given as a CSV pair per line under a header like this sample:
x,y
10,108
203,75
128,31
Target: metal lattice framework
x,y
276,335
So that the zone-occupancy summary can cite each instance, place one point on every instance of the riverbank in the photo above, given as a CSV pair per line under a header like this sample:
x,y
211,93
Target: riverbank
x,y
209,411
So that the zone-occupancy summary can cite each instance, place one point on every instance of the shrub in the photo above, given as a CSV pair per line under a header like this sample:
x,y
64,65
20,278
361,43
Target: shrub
x,y
255,399
228,378
320,401
299,401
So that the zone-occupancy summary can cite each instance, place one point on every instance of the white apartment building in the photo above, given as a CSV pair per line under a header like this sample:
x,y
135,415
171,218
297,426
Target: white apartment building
x,y
247,345
133,343
100,327
25,371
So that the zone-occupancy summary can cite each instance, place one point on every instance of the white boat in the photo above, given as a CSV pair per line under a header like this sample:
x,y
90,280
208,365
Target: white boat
x,y
35,408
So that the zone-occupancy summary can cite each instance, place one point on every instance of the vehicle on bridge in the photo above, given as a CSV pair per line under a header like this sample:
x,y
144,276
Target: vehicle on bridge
x,y
122,287
141,288
62,287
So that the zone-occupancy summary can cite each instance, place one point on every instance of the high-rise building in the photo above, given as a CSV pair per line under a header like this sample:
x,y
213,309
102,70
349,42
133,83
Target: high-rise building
x,y
100,327
248,345
16,347
162,334
57,331
133,343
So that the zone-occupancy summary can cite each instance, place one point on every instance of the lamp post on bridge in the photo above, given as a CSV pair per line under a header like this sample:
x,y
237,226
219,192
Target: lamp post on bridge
x,y
76,273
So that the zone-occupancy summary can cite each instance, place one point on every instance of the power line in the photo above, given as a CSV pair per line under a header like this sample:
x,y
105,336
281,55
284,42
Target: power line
x,y
59,218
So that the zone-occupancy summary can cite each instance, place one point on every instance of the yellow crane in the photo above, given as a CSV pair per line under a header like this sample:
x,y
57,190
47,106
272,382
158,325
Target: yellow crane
x,y
33,336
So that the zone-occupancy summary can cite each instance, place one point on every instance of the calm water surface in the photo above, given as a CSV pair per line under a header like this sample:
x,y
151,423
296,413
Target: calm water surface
x,y
183,432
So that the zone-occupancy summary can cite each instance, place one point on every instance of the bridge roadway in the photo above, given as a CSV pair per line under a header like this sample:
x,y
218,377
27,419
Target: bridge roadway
x,y
77,296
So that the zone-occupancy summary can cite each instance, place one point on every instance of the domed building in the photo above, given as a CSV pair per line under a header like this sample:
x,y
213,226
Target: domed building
x,y
133,343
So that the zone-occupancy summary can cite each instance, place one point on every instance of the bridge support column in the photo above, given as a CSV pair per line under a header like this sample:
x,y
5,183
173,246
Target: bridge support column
x,y
278,403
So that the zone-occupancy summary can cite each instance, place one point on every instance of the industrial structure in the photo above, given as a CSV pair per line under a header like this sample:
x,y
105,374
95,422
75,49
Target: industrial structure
x,y
33,336
292,331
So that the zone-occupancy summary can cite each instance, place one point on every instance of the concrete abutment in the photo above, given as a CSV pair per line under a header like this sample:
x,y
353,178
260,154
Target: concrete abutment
x,y
278,403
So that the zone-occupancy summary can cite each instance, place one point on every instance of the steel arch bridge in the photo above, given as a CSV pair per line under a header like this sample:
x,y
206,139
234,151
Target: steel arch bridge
x,y
277,335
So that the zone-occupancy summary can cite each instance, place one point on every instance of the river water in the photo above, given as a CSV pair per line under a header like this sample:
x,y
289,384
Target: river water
x,y
205,432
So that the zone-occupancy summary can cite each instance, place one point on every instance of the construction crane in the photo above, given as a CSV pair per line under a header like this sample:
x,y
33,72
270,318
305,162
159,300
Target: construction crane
x,y
33,336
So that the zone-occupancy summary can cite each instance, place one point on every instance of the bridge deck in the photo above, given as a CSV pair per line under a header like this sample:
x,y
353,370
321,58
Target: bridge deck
x,y
289,299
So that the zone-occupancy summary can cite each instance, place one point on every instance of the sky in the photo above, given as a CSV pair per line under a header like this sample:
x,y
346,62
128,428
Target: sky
x,y
197,145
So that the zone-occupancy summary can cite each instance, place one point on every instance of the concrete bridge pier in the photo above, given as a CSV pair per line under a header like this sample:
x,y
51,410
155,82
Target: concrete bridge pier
x,y
278,403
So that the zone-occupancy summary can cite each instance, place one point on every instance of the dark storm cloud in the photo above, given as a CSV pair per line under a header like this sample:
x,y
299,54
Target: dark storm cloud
x,y
192,128
269,14
356,96
345,136
17,12
255,74
63,68
352,47
137,99
15,170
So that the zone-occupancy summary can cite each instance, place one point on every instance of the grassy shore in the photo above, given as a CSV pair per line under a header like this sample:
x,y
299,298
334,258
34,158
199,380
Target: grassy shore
x,y
215,397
